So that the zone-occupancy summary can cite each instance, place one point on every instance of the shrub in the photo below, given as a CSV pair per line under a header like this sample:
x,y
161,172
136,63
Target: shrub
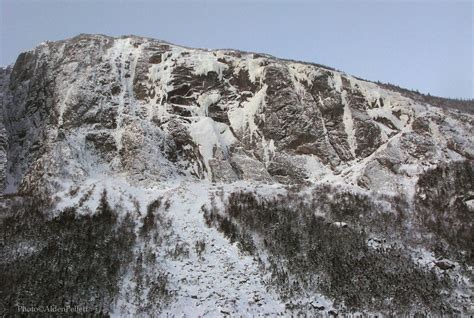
x,y
72,259
309,255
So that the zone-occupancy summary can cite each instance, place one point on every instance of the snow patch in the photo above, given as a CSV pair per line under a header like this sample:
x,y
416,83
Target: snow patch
x,y
254,67
207,100
315,169
340,224
243,118
385,113
268,150
208,135
336,81
303,73
123,53
208,63
348,123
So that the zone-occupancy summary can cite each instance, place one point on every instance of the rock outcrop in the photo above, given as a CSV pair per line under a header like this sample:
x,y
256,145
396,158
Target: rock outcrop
x,y
154,111
152,160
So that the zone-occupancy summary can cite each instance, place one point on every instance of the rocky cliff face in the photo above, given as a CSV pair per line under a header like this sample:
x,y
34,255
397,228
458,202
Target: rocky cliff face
x,y
79,115
154,111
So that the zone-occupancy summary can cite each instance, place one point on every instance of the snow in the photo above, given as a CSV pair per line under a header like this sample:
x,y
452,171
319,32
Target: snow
x,y
224,279
63,104
119,191
303,72
315,169
427,259
207,100
255,69
411,170
254,66
221,280
243,118
208,135
123,51
208,63
436,134
268,150
336,81
348,123
385,113
470,205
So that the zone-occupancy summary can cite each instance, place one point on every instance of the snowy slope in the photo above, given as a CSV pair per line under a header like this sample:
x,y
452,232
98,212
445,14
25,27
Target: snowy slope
x,y
145,119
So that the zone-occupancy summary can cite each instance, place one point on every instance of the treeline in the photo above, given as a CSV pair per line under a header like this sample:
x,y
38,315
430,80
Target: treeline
x,y
67,260
464,105
329,254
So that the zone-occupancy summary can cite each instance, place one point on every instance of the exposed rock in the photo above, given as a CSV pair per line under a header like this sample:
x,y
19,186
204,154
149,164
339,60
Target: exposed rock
x,y
143,89
445,265
141,117
103,143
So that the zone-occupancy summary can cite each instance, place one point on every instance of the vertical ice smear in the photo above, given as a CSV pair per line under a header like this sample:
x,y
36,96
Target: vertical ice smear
x,y
118,65
207,100
348,123
392,101
436,133
268,150
254,67
208,63
336,81
210,135
63,105
243,119
123,58
297,77
323,125
161,75
303,73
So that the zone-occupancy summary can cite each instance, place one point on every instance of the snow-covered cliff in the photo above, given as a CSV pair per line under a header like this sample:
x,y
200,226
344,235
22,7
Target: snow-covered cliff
x,y
143,119
155,111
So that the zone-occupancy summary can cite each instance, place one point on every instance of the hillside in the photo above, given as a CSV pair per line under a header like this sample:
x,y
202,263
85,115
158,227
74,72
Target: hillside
x,y
142,177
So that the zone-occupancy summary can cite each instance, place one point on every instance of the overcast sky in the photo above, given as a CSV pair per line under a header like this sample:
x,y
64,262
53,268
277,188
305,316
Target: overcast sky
x,y
424,45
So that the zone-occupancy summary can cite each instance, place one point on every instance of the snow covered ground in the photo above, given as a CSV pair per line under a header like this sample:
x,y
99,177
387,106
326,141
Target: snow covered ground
x,y
147,120
221,280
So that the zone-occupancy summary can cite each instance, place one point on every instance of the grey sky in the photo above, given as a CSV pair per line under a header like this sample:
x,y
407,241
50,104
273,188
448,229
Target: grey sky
x,y
424,45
